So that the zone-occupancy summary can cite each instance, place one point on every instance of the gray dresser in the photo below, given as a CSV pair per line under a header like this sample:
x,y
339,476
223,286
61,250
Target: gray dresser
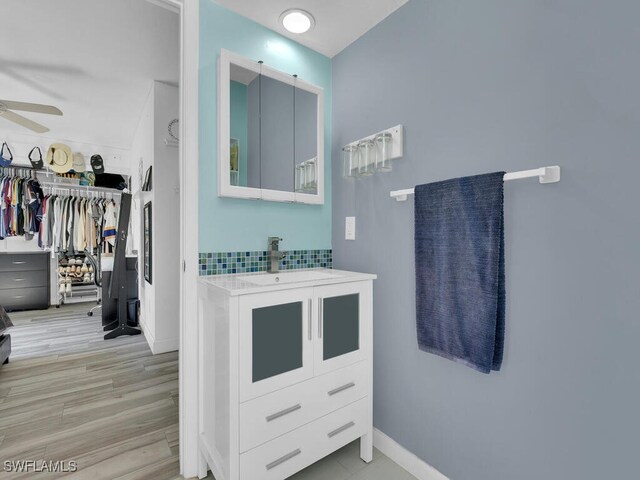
x,y
24,281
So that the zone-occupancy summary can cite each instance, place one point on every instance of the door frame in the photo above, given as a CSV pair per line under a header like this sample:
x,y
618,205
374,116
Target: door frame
x,y
192,463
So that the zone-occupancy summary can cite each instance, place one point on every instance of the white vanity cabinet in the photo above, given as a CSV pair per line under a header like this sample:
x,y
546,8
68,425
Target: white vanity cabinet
x,y
285,372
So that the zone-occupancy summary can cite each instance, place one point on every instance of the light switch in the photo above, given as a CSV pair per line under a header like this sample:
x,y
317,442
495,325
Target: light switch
x,y
349,228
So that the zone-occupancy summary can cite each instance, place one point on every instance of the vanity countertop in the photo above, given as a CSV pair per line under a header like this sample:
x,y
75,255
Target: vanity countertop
x,y
258,282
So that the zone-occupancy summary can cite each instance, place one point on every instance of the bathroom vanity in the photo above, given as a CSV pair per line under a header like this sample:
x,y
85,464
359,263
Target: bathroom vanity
x,y
285,370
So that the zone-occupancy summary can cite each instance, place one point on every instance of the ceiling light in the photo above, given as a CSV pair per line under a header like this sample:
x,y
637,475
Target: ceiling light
x,y
297,21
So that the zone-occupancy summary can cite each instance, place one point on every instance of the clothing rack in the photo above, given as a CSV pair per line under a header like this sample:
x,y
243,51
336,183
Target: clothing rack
x,y
22,172
81,190
544,174
60,187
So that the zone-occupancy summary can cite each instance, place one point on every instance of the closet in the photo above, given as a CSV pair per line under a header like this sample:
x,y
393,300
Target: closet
x,y
69,136
62,229
79,227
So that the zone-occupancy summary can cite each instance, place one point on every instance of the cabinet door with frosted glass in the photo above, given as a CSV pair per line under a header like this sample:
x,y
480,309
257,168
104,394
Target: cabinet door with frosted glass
x,y
343,325
275,341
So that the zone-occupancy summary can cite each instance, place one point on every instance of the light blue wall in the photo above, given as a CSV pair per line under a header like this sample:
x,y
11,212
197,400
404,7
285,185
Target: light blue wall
x,y
239,225
507,85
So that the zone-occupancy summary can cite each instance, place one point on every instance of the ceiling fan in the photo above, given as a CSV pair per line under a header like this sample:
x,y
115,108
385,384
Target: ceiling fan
x,y
7,107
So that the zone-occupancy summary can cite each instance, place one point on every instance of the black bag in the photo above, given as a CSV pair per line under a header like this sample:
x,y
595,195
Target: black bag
x,y
36,163
111,180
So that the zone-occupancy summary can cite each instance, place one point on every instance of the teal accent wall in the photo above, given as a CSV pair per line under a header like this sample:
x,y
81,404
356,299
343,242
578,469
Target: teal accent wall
x,y
228,224
239,125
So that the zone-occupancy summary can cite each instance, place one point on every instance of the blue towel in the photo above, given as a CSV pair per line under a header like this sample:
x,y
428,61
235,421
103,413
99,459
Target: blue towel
x,y
459,259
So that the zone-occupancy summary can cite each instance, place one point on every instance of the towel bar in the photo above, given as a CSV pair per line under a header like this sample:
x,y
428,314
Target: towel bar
x,y
544,174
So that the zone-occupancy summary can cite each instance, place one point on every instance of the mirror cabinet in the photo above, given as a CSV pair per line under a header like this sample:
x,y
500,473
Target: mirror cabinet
x,y
270,133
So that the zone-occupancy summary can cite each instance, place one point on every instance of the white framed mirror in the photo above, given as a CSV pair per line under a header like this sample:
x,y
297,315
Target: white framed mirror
x,y
270,133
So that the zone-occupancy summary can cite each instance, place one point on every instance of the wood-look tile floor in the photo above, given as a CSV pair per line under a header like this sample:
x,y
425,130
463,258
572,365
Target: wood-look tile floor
x,y
67,394
111,406
345,464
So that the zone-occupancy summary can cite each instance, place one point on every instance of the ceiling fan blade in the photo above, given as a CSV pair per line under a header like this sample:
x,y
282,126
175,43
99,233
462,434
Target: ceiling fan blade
x,y
31,107
23,121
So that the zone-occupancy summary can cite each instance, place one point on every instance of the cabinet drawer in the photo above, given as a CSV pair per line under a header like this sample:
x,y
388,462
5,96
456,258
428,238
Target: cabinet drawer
x,y
25,279
274,414
24,298
299,448
20,262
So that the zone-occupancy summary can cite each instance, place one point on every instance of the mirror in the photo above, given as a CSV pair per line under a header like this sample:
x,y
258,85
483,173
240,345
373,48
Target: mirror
x,y
306,142
273,125
244,139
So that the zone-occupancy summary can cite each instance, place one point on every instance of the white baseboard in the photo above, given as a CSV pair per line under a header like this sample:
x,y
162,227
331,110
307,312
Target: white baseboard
x,y
403,457
147,334
166,345
159,346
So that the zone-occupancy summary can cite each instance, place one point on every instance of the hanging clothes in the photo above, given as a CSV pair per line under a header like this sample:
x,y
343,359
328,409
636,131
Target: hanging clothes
x,y
110,224
20,202
62,223
72,225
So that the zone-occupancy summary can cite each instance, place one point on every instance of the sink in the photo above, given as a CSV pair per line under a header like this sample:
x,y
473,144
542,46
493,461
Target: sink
x,y
287,277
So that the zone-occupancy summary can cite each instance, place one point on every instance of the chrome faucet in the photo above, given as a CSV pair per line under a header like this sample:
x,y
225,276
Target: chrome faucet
x,y
274,255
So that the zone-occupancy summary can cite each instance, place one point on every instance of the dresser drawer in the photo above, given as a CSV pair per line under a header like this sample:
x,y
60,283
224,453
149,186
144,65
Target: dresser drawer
x,y
24,279
274,414
299,448
24,298
20,262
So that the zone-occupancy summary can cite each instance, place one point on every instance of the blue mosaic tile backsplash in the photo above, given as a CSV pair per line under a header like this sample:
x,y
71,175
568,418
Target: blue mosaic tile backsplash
x,y
221,263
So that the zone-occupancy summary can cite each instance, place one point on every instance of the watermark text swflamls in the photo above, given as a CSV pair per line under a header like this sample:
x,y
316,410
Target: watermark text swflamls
x,y
43,466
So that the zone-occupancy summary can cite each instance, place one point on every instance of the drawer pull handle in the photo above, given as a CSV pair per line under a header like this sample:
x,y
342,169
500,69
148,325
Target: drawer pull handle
x,y
284,412
18,279
18,296
15,262
320,319
341,389
309,326
283,459
340,429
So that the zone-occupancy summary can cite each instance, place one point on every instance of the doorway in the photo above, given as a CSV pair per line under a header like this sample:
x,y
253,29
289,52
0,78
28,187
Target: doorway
x,y
114,73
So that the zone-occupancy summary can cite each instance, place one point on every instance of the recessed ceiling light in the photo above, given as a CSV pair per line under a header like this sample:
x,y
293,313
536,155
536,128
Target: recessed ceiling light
x,y
297,21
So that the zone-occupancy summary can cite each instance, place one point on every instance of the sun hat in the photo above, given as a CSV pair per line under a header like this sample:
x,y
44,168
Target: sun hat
x,y
59,158
4,161
78,162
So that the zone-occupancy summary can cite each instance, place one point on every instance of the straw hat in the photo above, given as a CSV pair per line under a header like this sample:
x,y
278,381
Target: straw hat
x,y
78,162
59,158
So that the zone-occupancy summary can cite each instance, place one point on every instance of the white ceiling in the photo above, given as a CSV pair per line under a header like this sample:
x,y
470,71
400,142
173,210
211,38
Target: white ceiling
x,y
338,22
93,59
